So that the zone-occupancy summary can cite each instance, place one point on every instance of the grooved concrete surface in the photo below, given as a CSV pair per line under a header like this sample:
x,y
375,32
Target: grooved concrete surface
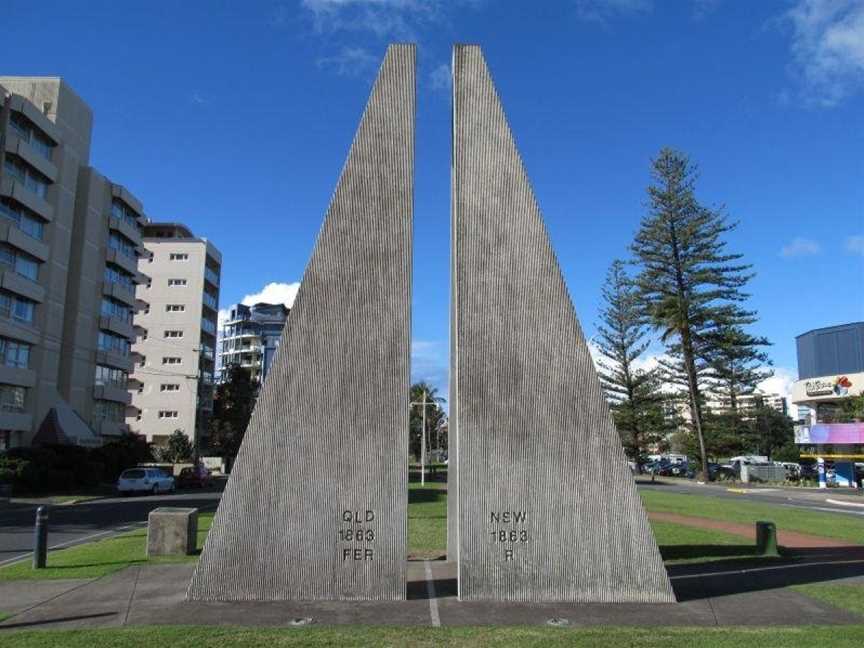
x,y
316,505
545,507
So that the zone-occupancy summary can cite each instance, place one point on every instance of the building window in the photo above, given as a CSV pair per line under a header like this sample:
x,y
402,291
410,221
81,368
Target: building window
x,y
211,276
14,353
120,277
31,134
176,282
121,211
178,256
169,387
208,325
171,360
174,308
113,343
111,377
30,178
113,308
17,308
22,264
108,411
122,245
31,225
173,333
12,398
169,414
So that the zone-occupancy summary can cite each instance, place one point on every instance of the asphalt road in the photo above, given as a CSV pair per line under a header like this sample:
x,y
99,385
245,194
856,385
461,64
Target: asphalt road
x,y
90,520
75,523
812,499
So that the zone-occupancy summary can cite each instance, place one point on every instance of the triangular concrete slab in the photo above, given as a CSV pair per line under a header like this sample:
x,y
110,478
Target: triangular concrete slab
x,y
542,503
315,508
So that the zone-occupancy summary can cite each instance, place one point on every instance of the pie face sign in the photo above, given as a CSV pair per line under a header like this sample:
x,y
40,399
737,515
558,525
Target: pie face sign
x,y
838,386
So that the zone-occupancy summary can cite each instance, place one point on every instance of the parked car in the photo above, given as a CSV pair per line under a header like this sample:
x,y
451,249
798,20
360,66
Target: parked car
x,y
197,477
144,480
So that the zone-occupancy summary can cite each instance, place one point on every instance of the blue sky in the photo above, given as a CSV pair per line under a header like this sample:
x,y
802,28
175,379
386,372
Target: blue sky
x,y
236,117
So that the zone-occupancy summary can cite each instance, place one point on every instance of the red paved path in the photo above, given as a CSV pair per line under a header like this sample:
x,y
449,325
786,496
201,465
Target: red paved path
x,y
790,539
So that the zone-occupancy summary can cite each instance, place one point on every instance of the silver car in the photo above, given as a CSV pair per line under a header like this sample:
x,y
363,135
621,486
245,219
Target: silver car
x,y
144,480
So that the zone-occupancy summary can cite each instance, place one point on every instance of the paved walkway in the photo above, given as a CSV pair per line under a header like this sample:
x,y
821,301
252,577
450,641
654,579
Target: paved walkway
x,y
788,539
722,593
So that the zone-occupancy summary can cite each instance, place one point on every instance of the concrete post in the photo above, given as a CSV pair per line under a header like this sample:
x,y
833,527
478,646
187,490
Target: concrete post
x,y
766,539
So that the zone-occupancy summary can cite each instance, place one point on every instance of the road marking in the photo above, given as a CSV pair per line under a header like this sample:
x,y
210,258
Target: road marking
x,y
433,597
69,543
842,503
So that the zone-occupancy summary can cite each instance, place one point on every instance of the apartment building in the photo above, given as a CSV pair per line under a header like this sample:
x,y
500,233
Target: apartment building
x,y
59,232
172,383
250,337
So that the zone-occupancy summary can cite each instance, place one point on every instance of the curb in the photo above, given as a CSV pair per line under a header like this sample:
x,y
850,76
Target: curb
x,y
842,503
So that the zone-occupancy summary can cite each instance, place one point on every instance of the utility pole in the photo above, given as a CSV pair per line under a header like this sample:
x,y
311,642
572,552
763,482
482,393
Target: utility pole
x,y
424,404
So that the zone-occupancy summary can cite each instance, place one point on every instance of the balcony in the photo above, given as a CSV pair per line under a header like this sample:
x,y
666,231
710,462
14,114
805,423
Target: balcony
x,y
211,276
112,393
16,421
129,264
31,112
17,376
116,325
12,188
17,146
122,193
9,233
120,293
112,359
13,282
129,231
104,427
16,330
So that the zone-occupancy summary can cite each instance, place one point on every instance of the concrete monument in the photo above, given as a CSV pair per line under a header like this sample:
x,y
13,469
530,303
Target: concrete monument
x,y
542,506
315,508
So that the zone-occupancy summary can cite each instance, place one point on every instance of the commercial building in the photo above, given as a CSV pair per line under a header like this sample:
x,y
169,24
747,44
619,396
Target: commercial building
x,y
172,383
830,371
69,243
250,337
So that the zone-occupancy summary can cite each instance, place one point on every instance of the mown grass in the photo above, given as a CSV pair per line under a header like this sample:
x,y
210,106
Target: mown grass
x,y
421,637
99,558
828,525
427,519
847,596
684,544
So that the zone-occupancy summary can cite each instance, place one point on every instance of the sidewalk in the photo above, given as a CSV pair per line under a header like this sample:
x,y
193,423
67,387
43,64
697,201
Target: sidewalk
x,y
715,594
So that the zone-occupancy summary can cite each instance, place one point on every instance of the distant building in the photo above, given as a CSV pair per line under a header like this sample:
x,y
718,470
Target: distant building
x,y
749,402
173,377
69,245
830,371
250,337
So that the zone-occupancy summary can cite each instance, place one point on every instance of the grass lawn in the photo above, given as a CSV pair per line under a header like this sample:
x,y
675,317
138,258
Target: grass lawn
x,y
95,559
682,544
828,525
347,636
847,596
427,519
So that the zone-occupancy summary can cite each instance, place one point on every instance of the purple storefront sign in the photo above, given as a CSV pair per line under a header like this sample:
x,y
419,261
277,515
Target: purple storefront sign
x,y
830,434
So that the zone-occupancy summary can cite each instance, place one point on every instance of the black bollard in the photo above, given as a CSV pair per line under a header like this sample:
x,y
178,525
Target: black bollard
x,y
40,538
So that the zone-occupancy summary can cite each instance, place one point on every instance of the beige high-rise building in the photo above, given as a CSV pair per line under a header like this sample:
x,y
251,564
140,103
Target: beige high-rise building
x,y
172,384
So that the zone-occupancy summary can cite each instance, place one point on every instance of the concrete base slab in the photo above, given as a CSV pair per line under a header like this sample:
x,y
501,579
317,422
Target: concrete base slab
x,y
716,594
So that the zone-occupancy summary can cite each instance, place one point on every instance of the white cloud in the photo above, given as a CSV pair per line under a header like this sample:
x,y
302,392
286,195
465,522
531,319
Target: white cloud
x,y
780,383
351,61
604,10
274,293
855,244
440,78
383,18
703,8
430,363
800,247
828,48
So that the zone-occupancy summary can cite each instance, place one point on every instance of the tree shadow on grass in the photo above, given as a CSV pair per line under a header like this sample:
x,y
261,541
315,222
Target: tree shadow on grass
x,y
423,495
707,551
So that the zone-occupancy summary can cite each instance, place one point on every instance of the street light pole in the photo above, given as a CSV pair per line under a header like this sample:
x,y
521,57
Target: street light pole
x,y
424,404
